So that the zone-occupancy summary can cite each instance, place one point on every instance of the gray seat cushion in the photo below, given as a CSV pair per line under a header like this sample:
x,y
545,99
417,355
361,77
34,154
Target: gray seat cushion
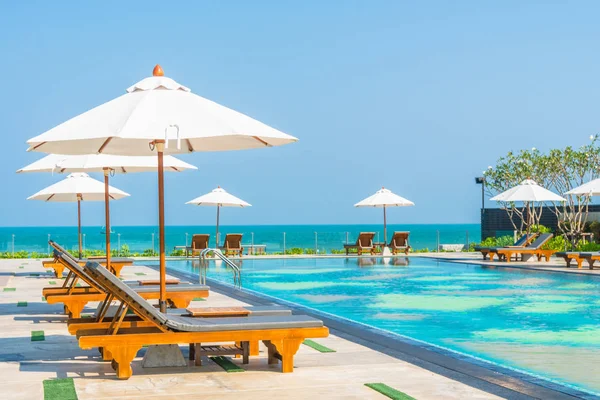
x,y
170,288
190,324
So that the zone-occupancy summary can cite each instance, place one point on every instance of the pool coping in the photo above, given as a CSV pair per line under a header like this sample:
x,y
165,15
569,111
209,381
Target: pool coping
x,y
481,374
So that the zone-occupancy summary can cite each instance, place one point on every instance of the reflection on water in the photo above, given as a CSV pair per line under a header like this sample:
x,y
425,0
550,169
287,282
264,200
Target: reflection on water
x,y
377,261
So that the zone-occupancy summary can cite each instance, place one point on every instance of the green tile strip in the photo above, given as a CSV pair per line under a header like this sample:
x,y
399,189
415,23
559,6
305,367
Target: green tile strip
x,y
22,304
63,389
317,346
227,364
140,273
43,298
389,391
21,267
9,289
52,283
37,336
199,299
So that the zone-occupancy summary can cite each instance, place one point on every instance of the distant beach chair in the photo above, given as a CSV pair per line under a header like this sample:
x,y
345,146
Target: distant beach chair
x,y
282,335
199,243
534,248
521,242
399,243
232,244
363,243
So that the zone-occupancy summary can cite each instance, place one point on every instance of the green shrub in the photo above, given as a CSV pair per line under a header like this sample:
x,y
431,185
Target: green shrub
x,y
178,253
558,243
338,251
149,253
588,247
540,229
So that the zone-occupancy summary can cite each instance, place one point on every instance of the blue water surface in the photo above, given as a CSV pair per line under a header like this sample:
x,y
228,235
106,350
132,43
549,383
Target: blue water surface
x,y
539,322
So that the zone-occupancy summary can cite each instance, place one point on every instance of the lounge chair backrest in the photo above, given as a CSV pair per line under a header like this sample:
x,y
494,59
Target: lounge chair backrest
x,y
522,241
365,239
67,260
400,239
200,242
233,241
540,241
113,285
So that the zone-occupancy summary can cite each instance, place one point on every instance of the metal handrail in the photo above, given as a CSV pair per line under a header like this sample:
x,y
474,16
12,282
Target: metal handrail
x,y
237,272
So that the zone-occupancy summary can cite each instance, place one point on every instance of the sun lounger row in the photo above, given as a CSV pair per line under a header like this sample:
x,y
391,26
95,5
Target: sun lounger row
x,y
365,244
529,244
116,265
119,335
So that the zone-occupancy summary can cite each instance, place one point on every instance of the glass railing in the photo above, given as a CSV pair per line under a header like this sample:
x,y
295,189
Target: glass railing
x,y
259,239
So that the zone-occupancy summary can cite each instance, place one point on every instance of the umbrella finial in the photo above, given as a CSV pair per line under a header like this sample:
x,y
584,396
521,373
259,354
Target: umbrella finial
x,y
158,71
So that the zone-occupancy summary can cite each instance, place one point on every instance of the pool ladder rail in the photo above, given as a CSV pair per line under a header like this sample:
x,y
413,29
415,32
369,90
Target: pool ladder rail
x,y
237,272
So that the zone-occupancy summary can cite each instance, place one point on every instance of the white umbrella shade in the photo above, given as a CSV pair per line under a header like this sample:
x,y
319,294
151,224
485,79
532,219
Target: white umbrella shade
x,y
78,187
384,198
219,198
527,191
591,188
104,163
159,114
99,162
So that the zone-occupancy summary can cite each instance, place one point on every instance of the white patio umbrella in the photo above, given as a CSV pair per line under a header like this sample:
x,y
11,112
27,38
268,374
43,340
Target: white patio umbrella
x,y
591,188
219,198
158,114
384,198
105,164
528,192
78,187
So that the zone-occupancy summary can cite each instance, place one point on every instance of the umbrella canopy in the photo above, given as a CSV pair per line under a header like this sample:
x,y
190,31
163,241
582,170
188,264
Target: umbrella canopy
x,y
104,163
158,108
78,187
219,198
384,198
527,191
592,188
158,114
99,162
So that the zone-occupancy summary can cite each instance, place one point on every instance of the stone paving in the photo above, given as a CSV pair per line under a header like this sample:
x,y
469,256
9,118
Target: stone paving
x,y
25,364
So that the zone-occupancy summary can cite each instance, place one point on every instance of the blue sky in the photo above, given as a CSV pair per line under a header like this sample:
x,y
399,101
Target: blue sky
x,y
419,97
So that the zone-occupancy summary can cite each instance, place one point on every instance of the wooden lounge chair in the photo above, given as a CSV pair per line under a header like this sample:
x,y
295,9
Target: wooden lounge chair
x,y
521,242
116,264
591,258
232,244
199,243
75,298
399,243
534,248
363,243
570,256
281,335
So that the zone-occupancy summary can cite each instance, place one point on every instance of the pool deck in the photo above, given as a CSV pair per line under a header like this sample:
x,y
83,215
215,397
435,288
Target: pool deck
x,y
361,357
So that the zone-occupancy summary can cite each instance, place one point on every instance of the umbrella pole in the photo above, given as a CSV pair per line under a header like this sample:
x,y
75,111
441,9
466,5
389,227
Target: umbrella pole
x,y
160,148
217,237
384,228
107,216
79,224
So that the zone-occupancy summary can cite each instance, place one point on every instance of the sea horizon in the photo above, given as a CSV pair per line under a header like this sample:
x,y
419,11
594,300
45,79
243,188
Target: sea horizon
x,y
276,238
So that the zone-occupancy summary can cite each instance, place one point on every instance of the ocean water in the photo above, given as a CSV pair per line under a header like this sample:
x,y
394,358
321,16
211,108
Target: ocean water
x,y
541,323
275,237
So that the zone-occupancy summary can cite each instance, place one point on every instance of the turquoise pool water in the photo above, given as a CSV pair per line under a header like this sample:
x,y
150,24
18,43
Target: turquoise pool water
x,y
546,324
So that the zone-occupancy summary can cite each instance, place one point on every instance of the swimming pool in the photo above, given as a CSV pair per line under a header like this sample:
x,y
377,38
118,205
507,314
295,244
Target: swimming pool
x,y
543,323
